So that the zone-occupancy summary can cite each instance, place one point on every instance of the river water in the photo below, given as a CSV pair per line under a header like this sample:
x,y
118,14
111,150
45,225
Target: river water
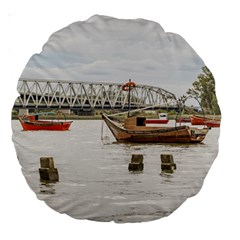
x,y
94,181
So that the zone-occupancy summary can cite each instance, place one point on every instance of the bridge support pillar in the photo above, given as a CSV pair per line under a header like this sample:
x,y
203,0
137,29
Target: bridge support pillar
x,y
23,111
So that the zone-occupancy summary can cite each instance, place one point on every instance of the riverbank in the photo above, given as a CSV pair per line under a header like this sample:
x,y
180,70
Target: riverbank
x,y
98,116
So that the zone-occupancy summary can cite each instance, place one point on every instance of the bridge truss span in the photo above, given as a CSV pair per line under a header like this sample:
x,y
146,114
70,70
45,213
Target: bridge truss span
x,y
34,93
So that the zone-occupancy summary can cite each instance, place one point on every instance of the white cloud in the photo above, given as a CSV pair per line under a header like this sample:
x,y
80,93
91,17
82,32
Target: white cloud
x,y
109,49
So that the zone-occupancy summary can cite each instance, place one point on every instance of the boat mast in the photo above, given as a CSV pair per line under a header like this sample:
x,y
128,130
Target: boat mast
x,y
129,98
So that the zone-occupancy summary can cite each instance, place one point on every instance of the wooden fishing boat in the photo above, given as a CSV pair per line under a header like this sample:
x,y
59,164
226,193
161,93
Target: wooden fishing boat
x,y
31,123
198,120
134,129
163,119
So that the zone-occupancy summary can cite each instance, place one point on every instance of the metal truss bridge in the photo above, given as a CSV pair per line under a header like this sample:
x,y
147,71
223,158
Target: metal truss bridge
x,y
37,93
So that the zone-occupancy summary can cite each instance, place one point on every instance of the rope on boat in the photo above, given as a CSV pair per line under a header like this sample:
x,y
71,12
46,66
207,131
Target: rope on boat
x,y
104,138
102,131
136,110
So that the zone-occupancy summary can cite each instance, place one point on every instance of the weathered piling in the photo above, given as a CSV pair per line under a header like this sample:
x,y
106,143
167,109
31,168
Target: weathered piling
x,y
47,171
167,163
136,163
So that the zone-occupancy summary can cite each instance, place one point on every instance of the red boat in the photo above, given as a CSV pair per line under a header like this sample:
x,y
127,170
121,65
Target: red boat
x,y
212,123
198,120
31,123
163,119
183,120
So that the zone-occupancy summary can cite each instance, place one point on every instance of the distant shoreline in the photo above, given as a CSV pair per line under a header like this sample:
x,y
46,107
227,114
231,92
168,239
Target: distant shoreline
x,y
99,117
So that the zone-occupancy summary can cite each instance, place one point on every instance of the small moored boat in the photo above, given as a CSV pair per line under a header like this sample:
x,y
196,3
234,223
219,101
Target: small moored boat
x,y
163,119
183,120
198,120
31,123
212,123
134,129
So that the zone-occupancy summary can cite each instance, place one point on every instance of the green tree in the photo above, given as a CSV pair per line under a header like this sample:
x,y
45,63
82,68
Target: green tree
x,y
204,90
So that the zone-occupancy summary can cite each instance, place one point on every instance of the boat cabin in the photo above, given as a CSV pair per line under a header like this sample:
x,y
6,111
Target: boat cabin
x,y
30,118
133,122
163,116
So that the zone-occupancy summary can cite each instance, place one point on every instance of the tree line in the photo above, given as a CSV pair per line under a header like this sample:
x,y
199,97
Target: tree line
x,y
203,89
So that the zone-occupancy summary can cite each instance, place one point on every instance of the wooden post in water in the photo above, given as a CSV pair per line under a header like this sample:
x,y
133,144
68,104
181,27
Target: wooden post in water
x,y
47,171
167,163
136,163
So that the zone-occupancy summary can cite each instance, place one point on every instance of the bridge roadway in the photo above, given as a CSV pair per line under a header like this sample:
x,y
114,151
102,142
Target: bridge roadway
x,y
52,94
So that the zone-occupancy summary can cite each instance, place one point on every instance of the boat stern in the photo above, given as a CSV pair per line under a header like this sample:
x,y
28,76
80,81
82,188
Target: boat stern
x,y
197,134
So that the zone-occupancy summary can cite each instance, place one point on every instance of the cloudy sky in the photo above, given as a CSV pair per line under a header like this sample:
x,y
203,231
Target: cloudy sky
x,y
113,50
